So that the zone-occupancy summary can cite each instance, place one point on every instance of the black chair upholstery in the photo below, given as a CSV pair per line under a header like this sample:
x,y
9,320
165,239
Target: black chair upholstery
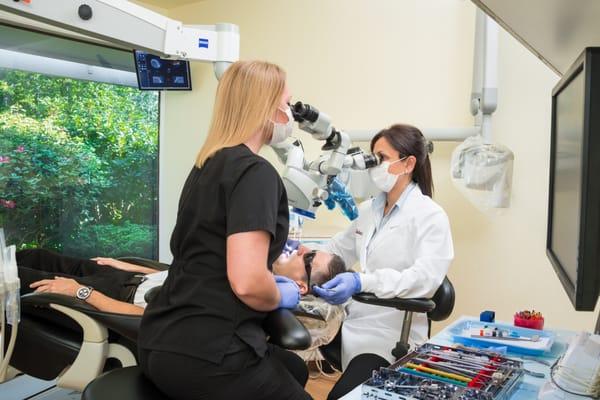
x,y
413,305
144,262
444,299
438,308
151,294
286,331
43,349
123,324
123,383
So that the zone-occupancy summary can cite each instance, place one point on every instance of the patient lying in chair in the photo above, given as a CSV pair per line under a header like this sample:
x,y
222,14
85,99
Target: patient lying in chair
x,y
119,287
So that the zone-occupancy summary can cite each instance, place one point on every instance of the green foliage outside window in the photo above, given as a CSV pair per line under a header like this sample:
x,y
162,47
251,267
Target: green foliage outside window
x,y
78,165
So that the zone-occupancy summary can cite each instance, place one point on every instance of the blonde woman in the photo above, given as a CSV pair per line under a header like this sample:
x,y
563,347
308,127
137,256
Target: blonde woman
x,y
201,338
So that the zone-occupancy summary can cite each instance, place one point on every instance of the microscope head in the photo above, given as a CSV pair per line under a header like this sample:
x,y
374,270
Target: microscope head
x,y
312,121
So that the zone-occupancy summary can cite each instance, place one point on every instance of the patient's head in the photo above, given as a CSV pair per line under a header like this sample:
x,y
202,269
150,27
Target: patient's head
x,y
322,266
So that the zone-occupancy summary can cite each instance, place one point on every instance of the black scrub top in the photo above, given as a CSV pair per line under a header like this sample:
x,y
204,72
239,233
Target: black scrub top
x,y
196,312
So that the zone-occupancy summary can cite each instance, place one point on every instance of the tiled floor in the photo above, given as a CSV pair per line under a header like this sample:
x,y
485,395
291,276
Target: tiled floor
x,y
27,388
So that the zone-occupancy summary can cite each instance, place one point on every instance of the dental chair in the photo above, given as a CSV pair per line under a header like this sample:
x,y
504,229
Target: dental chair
x,y
438,308
66,338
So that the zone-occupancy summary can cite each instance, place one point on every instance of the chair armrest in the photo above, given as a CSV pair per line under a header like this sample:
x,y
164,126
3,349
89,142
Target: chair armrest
x,y
123,324
286,331
144,262
414,305
45,299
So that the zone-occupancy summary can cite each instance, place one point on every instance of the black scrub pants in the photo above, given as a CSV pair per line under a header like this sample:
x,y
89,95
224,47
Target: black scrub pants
x,y
38,264
359,369
242,374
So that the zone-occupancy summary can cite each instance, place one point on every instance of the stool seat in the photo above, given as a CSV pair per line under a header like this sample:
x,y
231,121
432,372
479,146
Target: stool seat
x,y
129,383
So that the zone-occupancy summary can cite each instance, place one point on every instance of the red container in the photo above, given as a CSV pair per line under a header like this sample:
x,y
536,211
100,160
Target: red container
x,y
531,323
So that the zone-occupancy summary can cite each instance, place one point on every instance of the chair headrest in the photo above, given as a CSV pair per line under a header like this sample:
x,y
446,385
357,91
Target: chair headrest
x,y
444,301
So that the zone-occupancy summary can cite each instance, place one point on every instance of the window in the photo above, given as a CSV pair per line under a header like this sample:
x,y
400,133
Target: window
x,y
78,158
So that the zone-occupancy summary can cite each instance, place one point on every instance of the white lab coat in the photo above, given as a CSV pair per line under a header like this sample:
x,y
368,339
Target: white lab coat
x,y
408,258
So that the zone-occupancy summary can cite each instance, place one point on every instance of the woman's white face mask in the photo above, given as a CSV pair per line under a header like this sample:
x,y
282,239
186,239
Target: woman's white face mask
x,y
283,131
383,179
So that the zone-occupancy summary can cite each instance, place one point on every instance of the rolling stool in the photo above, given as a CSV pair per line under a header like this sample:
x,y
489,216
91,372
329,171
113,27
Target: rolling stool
x,y
130,383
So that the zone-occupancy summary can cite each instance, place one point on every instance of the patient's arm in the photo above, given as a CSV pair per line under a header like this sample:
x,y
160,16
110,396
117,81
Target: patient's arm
x,y
102,302
105,303
122,265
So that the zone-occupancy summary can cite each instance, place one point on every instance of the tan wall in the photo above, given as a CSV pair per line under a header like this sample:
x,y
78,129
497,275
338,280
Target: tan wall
x,y
356,64
501,262
369,64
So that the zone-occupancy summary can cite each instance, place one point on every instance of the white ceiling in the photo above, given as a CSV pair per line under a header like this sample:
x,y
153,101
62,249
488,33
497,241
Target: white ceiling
x,y
167,4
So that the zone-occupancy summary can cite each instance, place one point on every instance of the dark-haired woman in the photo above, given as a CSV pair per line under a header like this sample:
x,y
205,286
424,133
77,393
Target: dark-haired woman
x,y
403,242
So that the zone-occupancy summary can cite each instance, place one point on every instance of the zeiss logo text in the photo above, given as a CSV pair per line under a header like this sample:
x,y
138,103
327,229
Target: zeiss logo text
x,y
203,43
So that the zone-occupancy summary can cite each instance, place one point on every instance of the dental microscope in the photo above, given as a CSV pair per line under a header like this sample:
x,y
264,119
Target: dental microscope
x,y
312,183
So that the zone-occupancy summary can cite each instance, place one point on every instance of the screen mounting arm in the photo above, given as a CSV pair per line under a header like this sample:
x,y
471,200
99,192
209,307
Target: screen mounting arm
x,y
135,27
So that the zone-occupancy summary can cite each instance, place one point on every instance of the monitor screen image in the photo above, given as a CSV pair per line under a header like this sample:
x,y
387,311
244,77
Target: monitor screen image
x,y
573,237
155,73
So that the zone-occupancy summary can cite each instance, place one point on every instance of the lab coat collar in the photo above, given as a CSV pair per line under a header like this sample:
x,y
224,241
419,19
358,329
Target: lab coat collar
x,y
378,202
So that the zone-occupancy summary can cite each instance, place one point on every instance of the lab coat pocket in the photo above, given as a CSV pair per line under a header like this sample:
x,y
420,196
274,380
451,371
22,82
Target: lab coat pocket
x,y
394,239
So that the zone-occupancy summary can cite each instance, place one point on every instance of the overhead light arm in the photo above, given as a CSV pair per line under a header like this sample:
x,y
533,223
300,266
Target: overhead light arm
x,y
484,93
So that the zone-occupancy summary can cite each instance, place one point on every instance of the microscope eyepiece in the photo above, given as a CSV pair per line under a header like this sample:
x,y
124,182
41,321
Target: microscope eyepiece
x,y
371,160
302,112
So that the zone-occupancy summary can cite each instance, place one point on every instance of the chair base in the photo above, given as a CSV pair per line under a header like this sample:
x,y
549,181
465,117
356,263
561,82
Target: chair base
x,y
332,356
400,350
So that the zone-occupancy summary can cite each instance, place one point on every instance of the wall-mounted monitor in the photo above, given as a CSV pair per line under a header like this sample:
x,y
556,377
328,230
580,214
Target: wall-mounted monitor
x,y
573,237
155,73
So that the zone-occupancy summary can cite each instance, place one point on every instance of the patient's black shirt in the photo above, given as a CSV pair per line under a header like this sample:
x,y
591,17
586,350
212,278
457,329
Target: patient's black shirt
x,y
196,312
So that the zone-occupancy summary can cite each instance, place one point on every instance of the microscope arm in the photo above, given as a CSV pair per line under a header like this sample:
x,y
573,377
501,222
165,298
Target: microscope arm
x,y
308,185
290,154
333,163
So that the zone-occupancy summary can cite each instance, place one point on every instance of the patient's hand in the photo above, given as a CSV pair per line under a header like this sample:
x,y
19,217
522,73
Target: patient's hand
x,y
122,265
58,285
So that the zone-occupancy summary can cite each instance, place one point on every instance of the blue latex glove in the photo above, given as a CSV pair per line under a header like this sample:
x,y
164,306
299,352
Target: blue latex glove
x,y
338,194
290,246
289,291
330,202
339,289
